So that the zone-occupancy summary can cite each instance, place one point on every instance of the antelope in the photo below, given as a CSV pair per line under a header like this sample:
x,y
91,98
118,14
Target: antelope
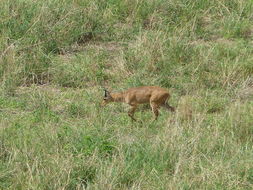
x,y
154,95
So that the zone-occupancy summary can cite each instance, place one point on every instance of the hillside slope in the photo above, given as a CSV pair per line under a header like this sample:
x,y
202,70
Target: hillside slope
x,y
56,56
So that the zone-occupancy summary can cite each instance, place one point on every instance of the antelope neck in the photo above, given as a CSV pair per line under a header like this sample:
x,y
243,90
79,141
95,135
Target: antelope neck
x,y
118,97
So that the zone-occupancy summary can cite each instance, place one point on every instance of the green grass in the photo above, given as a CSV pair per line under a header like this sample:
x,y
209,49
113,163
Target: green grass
x,y
57,56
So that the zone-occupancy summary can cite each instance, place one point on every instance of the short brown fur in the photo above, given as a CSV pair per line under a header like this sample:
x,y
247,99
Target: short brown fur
x,y
154,95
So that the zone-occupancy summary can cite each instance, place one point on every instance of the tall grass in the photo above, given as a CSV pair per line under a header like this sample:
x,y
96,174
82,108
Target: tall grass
x,y
57,56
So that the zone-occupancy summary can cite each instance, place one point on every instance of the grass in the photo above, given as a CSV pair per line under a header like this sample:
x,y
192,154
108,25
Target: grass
x,y
57,56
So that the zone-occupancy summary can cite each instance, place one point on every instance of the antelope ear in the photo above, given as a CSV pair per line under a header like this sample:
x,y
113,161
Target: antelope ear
x,y
107,93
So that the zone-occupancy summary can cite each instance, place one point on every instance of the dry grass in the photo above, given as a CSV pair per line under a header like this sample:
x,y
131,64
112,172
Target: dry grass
x,y
57,56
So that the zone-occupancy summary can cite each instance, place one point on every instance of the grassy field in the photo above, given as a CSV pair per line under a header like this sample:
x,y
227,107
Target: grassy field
x,y
56,56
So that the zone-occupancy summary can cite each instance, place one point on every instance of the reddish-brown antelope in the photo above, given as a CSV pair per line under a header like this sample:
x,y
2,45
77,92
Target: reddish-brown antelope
x,y
154,95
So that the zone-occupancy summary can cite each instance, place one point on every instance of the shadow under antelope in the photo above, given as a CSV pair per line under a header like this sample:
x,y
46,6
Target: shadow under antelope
x,y
156,96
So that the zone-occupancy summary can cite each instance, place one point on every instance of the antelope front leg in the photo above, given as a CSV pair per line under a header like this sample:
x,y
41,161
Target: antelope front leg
x,y
131,112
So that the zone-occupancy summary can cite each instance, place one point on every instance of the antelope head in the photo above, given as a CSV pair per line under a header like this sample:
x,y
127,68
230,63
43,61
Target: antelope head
x,y
107,98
